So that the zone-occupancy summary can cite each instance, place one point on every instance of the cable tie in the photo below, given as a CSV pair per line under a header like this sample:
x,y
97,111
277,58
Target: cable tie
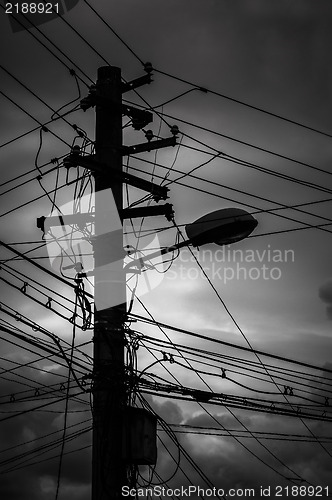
x,y
223,373
327,402
12,398
62,387
171,359
165,358
24,288
49,303
37,393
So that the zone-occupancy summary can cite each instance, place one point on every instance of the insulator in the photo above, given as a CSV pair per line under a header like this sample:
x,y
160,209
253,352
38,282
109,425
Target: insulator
x,y
148,67
174,129
68,163
86,103
149,135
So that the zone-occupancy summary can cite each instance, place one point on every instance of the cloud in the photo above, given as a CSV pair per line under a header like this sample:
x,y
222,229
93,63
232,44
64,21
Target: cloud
x,y
24,447
241,461
325,294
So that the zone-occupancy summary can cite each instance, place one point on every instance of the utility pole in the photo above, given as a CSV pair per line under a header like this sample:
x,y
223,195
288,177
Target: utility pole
x,y
124,435
108,468
121,435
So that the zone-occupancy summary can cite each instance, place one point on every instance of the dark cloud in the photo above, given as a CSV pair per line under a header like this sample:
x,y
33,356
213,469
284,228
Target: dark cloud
x,y
244,462
274,54
325,294
21,468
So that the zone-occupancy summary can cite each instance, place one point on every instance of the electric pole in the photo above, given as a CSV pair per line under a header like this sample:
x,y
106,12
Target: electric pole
x,y
122,435
108,389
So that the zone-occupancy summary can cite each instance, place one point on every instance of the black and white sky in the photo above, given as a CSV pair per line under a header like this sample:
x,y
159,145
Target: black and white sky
x,y
231,60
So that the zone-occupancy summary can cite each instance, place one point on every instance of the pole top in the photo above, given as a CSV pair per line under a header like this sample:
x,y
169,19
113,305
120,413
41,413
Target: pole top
x,y
108,71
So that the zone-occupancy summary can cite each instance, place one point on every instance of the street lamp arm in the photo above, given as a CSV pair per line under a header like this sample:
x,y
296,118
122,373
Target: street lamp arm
x,y
140,262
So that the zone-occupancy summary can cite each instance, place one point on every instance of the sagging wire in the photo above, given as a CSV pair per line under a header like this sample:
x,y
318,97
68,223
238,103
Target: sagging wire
x,y
72,73
215,360
41,130
156,152
251,348
66,406
174,161
132,346
180,449
84,303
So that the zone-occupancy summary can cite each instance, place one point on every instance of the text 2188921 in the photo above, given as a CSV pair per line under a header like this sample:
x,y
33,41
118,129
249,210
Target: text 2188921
x,y
32,8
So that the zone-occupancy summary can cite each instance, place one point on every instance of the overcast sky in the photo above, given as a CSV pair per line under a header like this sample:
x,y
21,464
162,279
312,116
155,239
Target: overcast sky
x,y
272,55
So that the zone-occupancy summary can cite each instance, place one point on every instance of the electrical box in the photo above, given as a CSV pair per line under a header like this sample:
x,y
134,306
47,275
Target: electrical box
x,y
139,437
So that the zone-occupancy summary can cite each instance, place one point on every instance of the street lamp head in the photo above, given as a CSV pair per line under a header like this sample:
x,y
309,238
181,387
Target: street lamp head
x,y
223,227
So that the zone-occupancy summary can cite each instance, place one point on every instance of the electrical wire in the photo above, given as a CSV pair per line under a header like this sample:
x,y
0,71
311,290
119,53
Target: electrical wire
x,y
205,89
32,117
258,210
49,50
233,139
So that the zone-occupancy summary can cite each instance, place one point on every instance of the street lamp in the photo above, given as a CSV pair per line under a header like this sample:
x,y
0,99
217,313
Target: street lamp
x,y
223,227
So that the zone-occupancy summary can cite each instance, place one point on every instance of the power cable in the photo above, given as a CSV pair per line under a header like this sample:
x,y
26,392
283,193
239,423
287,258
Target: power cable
x,y
66,406
246,339
222,342
206,90
23,412
259,211
49,50
33,118
242,103
41,268
213,183
233,139
114,32
74,127
206,411
216,359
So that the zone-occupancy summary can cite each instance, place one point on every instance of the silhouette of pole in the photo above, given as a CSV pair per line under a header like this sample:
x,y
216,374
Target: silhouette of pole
x,y
108,389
